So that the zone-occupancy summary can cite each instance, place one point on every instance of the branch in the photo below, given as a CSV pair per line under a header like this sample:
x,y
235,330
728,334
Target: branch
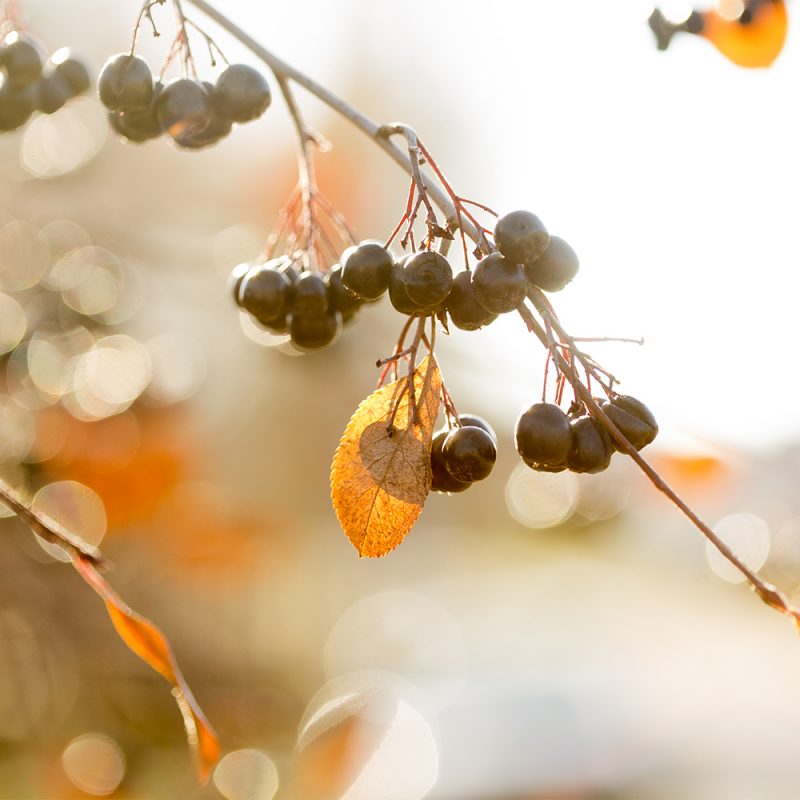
x,y
50,530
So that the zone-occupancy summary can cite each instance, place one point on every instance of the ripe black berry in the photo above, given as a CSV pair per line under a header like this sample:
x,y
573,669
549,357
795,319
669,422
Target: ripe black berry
x,y
22,58
183,109
52,92
314,331
125,83
469,454
310,295
441,479
591,448
71,70
428,278
339,296
265,293
218,127
398,296
500,285
544,436
555,268
474,421
462,306
242,93
633,418
366,269
140,125
236,277
16,106
521,237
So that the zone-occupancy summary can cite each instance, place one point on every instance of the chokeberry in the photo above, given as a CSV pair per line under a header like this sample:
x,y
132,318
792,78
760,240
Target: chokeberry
x,y
125,83
428,278
183,109
462,306
218,127
544,436
366,269
339,296
441,479
314,331
397,291
265,292
236,277
16,106
22,58
310,295
139,125
52,92
242,93
474,421
469,453
71,69
591,448
555,268
521,236
499,284
633,418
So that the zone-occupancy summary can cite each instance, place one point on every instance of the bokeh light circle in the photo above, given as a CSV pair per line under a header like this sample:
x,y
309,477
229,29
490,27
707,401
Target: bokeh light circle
x,y
541,499
94,763
246,775
748,536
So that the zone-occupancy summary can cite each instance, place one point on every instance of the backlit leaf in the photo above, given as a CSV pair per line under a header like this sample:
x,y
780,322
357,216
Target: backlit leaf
x,y
380,478
149,643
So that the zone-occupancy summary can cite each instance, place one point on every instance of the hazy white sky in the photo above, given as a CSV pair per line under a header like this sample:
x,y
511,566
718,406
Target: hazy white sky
x,y
674,175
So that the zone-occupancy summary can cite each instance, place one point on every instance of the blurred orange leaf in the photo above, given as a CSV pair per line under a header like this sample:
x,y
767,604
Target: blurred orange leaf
x,y
380,477
149,643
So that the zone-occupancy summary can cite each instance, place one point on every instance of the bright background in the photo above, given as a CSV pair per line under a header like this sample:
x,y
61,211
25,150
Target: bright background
x,y
539,636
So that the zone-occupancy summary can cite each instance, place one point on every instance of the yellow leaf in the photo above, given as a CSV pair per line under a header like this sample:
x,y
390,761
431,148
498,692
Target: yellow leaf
x,y
149,643
380,478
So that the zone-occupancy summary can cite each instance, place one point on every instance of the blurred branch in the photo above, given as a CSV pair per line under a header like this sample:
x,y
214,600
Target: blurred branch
x,y
50,530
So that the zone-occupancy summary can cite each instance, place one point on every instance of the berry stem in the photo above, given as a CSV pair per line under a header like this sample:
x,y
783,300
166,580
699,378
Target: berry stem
x,y
49,529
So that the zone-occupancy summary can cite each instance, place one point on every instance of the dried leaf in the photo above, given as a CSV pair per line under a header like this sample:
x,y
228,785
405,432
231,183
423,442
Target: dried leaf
x,y
380,478
149,643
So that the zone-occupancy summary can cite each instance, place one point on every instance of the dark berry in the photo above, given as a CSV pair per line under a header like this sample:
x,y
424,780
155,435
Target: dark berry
x,y
310,295
242,93
441,479
543,436
52,92
183,109
591,448
16,106
633,418
339,296
366,269
140,125
236,277
125,83
265,292
499,285
22,58
397,291
218,127
428,278
462,306
71,70
555,268
521,237
469,454
314,331
474,421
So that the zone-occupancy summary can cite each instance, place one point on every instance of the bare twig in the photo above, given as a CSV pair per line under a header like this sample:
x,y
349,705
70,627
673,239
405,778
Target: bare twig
x,y
50,530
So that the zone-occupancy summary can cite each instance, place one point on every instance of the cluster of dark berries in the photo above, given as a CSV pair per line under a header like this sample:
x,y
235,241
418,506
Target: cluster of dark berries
x,y
463,454
548,440
309,306
193,114
422,283
31,82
